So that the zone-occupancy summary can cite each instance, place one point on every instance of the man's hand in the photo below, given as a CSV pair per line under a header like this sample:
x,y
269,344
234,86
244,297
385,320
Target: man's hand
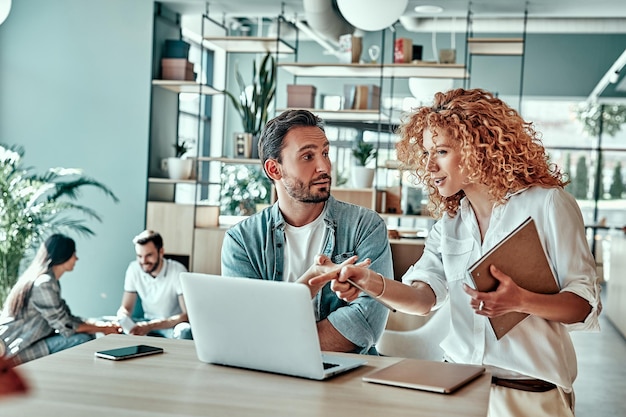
x,y
141,328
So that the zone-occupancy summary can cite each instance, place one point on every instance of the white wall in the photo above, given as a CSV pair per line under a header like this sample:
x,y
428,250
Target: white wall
x,y
75,92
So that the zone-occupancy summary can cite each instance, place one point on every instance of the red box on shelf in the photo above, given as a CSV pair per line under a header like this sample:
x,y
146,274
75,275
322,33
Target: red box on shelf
x,y
403,51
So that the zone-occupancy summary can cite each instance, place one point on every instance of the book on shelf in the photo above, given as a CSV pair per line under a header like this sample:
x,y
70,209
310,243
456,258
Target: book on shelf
x,y
521,256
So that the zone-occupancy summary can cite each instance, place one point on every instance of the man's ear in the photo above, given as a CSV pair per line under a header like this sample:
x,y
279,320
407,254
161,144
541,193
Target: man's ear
x,y
273,169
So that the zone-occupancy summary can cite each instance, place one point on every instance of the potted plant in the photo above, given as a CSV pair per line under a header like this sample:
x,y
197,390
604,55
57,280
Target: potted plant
x,y
252,104
177,167
363,176
34,206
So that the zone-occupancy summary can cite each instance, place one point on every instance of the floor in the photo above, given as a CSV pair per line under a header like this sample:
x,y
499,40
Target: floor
x,y
601,384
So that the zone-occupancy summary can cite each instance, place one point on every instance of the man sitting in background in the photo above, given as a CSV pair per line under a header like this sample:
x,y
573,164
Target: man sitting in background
x,y
156,281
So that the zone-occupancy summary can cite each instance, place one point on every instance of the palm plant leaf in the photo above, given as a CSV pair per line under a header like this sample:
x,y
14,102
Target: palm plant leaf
x,y
32,206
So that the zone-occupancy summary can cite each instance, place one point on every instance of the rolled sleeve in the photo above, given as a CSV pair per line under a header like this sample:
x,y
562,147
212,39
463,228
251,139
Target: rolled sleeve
x,y
361,322
592,295
429,269
574,264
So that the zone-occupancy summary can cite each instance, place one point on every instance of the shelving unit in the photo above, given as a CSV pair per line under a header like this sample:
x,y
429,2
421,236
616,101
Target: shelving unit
x,y
189,227
244,45
174,206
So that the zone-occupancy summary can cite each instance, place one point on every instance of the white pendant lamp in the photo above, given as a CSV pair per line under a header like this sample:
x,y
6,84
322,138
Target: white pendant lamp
x,y
424,89
5,8
372,15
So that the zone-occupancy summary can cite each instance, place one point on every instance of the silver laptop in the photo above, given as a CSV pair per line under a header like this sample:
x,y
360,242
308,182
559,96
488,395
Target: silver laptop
x,y
257,324
441,377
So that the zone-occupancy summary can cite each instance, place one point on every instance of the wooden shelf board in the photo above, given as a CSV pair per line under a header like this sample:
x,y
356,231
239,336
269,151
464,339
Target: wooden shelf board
x,y
420,69
366,115
226,160
186,87
168,181
155,180
496,46
248,44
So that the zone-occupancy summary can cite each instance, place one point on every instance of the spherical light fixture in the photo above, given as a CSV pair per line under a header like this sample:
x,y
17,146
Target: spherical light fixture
x,y
372,15
424,89
5,8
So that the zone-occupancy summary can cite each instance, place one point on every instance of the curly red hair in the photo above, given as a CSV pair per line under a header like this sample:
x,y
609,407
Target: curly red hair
x,y
499,148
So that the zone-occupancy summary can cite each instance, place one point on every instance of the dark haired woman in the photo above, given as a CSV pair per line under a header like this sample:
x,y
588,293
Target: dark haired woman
x,y
35,320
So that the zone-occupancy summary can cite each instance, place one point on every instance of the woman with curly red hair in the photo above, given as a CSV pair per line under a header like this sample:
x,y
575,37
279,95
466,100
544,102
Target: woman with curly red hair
x,y
486,171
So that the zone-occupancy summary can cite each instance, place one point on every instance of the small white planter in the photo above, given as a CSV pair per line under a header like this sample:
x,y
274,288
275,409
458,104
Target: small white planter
x,y
362,177
179,169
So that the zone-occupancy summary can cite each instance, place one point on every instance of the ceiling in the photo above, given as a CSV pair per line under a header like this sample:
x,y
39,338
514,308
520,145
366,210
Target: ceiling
x,y
570,9
496,16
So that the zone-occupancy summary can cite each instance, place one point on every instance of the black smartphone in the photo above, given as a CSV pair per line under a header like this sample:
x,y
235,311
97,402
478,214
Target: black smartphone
x,y
128,352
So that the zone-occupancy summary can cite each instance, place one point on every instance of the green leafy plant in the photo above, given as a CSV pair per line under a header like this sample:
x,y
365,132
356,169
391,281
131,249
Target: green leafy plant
x,y
243,187
613,116
181,148
32,206
364,152
253,106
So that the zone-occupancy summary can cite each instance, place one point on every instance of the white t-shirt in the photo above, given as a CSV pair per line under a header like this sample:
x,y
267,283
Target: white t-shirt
x,y
159,295
302,244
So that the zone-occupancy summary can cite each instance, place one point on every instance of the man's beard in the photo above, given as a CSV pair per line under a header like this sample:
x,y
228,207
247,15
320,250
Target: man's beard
x,y
301,192
155,266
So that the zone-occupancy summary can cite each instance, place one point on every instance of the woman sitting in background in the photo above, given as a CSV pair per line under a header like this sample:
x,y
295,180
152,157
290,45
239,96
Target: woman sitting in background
x,y
35,320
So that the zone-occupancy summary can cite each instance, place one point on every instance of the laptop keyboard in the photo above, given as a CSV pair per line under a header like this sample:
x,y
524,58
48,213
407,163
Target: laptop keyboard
x,y
328,365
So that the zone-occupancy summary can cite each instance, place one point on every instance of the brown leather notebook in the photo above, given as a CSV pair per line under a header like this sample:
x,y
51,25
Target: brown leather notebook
x,y
521,256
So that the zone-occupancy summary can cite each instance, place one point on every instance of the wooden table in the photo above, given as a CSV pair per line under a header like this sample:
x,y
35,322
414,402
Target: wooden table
x,y
175,383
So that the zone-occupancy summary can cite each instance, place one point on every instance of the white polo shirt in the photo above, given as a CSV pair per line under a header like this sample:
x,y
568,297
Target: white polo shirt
x,y
159,295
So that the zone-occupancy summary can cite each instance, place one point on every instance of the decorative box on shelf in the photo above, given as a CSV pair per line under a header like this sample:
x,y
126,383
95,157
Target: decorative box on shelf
x,y
403,51
361,97
176,48
301,96
177,69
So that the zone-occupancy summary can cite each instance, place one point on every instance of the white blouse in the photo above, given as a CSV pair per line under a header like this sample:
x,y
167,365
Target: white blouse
x,y
535,348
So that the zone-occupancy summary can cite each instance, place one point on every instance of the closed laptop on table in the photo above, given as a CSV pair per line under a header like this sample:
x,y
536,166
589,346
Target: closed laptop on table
x,y
257,324
441,377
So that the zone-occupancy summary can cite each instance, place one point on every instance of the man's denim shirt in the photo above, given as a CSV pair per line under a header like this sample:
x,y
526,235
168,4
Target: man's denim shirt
x,y
253,248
